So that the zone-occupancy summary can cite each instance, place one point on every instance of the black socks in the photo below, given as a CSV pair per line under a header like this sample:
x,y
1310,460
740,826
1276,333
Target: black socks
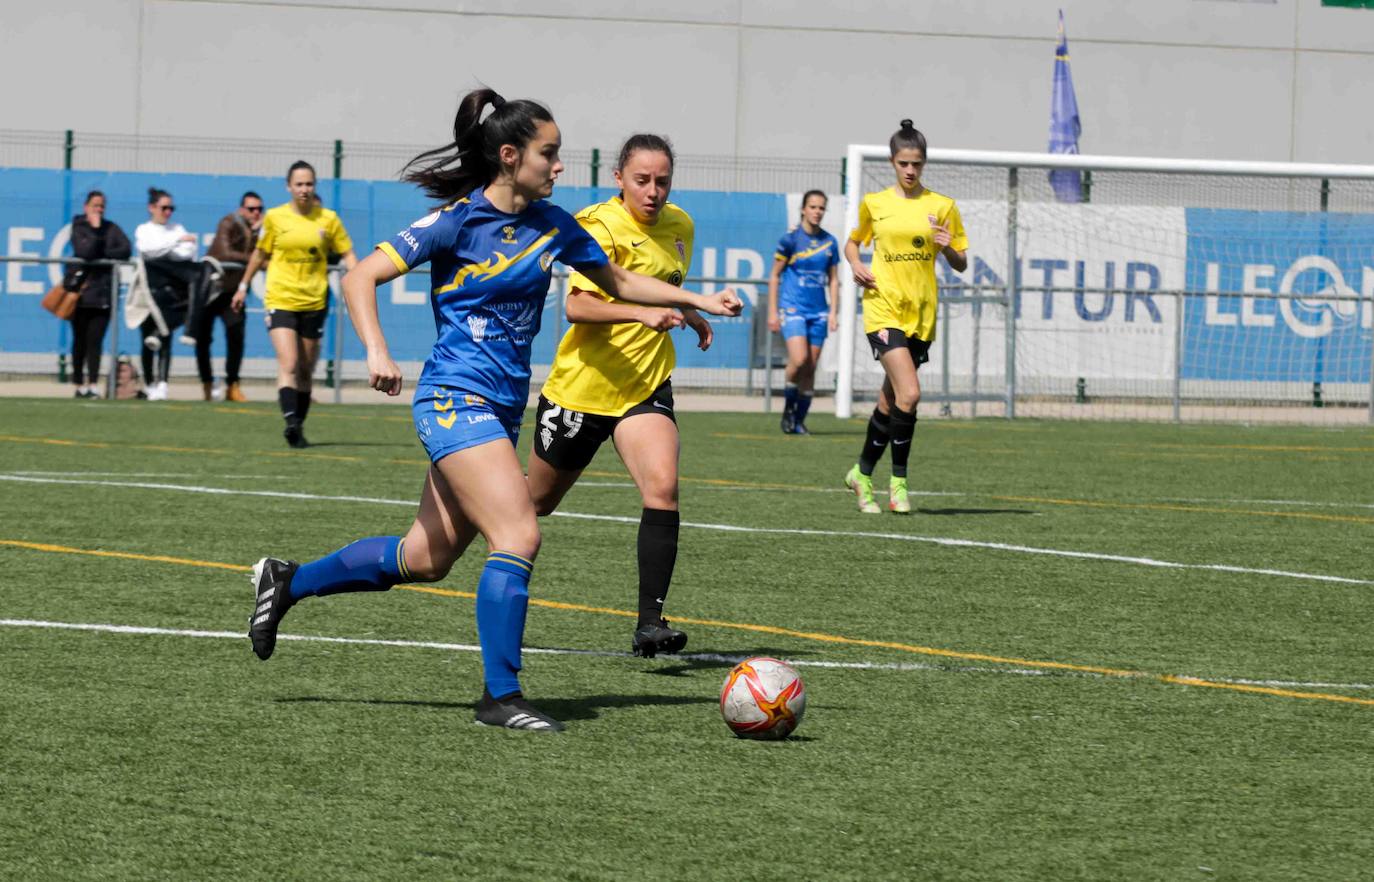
x,y
879,432
658,529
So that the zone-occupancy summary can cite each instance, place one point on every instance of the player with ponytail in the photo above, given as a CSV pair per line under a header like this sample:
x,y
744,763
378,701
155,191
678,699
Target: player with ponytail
x,y
490,245
909,227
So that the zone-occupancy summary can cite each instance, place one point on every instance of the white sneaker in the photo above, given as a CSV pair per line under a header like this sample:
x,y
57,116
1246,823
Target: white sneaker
x,y
157,391
217,391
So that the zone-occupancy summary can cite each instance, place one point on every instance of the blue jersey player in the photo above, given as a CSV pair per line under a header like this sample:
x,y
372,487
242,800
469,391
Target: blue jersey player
x,y
490,250
802,303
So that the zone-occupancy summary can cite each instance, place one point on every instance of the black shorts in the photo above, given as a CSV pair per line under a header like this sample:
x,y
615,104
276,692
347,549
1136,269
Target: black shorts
x,y
568,439
888,339
309,324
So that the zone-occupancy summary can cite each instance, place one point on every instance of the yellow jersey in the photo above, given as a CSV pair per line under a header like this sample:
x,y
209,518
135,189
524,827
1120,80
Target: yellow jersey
x,y
300,245
904,256
607,369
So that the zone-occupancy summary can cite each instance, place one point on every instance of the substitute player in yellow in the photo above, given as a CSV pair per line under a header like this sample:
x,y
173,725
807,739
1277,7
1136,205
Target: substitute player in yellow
x,y
909,226
610,376
298,238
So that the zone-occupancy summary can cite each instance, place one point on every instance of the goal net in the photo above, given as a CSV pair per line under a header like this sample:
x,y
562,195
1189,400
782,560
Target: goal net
x,y
1171,289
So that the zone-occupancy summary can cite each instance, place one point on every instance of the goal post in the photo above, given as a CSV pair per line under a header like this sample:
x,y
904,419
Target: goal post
x,y
1171,289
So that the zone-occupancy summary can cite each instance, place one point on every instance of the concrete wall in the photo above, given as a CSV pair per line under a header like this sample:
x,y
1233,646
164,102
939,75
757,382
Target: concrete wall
x,y
1237,79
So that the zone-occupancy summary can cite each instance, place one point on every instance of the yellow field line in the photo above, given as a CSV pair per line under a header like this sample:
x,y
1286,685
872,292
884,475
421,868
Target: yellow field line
x,y
1122,673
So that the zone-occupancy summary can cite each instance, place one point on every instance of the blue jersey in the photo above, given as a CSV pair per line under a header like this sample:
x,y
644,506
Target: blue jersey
x,y
806,275
489,274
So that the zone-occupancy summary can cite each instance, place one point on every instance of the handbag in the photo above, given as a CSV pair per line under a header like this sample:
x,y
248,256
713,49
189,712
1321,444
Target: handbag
x,y
61,302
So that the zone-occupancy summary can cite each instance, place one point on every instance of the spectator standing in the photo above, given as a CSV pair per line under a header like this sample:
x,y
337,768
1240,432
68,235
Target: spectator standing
x,y
168,253
235,239
93,238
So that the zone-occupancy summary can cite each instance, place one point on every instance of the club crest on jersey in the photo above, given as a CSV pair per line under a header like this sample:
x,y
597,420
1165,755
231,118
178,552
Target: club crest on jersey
x,y
676,278
919,241
681,248
508,235
477,324
546,260
473,400
425,221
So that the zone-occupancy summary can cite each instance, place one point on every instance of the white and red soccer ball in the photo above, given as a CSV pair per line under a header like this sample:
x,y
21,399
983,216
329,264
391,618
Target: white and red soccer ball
x,y
763,698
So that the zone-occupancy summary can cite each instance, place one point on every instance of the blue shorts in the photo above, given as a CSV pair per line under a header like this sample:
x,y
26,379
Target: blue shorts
x,y
449,420
814,326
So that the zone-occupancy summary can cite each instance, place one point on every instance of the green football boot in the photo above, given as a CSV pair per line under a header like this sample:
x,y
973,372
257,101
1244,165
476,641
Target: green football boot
x,y
862,485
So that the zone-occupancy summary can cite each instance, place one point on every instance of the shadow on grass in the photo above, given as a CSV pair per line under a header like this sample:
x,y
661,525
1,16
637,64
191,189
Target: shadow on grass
x,y
707,659
588,708
974,511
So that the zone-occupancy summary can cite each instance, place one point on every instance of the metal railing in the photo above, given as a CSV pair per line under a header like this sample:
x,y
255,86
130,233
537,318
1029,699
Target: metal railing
x,y
335,158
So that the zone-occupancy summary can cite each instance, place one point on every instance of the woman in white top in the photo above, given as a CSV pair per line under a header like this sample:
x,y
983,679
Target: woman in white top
x,y
168,252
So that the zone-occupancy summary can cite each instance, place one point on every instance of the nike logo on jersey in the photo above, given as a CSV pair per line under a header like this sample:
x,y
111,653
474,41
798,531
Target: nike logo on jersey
x,y
661,405
639,243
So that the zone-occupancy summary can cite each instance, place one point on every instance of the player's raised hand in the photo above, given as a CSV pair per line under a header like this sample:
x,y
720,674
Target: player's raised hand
x,y
656,319
940,232
725,302
383,373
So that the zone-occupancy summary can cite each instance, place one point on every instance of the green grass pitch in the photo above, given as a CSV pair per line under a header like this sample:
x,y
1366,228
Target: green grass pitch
x,y
1096,651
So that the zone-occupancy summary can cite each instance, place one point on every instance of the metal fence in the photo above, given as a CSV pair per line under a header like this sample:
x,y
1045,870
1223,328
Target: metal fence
x,y
165,154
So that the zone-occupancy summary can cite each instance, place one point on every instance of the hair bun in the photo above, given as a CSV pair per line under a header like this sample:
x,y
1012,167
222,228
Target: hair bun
x,y
907,124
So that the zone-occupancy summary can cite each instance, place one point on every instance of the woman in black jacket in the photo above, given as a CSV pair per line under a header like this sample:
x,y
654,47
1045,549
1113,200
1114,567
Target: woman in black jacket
x,y
93,238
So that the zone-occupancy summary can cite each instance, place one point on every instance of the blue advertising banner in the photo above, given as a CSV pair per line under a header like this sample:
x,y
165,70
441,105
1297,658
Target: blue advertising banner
x,y
735,237
1288,338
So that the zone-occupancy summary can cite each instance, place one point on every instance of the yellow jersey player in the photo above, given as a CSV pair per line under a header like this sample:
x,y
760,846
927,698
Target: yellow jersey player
x,y
909,227
610,377
298,237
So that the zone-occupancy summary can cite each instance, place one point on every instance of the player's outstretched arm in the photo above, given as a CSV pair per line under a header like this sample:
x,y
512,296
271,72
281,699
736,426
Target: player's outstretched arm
x,y
588,308
360,293
627,285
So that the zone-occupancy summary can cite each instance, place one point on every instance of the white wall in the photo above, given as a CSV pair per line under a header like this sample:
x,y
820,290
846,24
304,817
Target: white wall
x,y
1207,78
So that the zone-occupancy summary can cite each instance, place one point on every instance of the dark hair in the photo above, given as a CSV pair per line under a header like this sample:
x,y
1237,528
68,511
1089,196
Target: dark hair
x,y
473,158
154,194
297,166
809,193
92,195
251,195
645,141
907,137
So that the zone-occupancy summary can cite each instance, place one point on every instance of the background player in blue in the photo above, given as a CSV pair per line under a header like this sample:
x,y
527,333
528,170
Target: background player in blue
x,y
490,249
798,306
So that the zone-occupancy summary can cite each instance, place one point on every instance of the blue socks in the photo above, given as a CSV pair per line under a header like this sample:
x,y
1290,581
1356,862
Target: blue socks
x,y
377,563
502,597
789,398
803,405
373,564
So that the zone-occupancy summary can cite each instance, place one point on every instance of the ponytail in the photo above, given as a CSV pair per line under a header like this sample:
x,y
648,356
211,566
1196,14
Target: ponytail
x,y
473,158
907,137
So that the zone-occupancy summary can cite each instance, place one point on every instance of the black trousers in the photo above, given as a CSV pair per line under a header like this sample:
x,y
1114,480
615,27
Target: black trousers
x,y
163,354
203,329
88,339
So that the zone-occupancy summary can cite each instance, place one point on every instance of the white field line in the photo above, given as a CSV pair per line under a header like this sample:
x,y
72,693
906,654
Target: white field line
x,y
729,528
44,474
139,630
1294,502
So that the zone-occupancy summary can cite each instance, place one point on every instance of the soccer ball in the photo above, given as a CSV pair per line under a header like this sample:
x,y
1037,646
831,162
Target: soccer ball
x,y
762,698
